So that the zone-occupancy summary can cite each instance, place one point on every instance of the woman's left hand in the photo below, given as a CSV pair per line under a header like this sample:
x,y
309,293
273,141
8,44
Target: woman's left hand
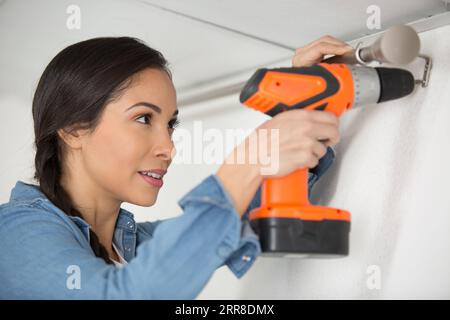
x,y
314,52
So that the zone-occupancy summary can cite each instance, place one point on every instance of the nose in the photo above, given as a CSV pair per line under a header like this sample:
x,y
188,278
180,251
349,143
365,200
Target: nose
x,y
164,147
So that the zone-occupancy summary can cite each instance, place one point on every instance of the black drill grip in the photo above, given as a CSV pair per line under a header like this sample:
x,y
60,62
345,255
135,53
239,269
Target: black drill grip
x,y
394,83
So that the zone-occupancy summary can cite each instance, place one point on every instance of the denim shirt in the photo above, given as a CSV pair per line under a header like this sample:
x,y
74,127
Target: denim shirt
x,y
45,254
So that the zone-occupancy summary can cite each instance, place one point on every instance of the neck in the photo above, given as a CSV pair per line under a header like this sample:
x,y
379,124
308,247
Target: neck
x,y
97,208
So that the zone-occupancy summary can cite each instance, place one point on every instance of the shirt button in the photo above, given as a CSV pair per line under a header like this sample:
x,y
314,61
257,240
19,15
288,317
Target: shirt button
x,y
246,258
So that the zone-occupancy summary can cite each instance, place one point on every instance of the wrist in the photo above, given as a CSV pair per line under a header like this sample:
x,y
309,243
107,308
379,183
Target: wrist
x,y
240,180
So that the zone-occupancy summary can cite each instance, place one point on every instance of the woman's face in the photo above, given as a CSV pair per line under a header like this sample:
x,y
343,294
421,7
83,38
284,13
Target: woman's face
x,y
134,134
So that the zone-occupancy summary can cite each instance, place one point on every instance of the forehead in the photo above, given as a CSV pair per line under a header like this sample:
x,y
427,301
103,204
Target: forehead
x,y
153,86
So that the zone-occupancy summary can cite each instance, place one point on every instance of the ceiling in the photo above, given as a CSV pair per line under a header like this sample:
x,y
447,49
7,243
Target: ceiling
x,y
203,40
294,22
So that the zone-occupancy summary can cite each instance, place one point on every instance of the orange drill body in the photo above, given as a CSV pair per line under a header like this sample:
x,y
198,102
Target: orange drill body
x,y
306,88
287,224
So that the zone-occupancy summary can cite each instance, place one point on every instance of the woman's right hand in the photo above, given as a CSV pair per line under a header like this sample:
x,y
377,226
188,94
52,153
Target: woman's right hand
x,y
298,147
299,134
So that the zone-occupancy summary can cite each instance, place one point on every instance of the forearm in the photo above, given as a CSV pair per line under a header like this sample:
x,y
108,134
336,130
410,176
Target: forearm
x,y
241,180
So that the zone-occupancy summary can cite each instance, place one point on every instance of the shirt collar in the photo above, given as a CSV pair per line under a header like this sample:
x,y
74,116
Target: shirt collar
x,y
26,192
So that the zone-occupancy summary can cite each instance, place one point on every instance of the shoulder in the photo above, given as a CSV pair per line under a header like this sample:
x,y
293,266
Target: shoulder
x,y
24,217
11,210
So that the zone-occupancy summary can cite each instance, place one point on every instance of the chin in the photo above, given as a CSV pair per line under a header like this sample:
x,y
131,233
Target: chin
x,y
145,202
143,199
143,196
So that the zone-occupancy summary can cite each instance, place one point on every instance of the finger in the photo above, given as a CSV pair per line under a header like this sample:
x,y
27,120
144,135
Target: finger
x,y
324,48
316,53
325,142
327,38
323,117
330,143
313,161
325,131
319,149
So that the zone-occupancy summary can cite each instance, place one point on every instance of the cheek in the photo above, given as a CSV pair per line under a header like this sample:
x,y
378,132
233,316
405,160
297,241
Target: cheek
x,y
114,155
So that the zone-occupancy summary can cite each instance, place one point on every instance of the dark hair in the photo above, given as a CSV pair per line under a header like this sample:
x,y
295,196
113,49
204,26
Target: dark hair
x,y
72,93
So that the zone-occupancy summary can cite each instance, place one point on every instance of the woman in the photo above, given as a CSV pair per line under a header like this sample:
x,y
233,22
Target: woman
x,y
104,112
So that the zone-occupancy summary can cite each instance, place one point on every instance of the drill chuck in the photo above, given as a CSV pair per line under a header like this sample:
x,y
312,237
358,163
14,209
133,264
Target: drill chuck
x,y
395,83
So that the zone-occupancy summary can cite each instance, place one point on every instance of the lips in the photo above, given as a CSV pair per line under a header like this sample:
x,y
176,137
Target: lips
x,y
152,181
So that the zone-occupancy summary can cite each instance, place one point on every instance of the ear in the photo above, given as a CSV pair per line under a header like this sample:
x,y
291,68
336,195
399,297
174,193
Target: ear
x,y
72,138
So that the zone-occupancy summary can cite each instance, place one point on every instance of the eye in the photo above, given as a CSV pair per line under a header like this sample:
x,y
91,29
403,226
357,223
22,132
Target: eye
x,y
146,116
173,123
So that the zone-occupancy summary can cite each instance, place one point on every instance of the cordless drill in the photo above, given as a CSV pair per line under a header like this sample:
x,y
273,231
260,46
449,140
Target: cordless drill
x,y
286,223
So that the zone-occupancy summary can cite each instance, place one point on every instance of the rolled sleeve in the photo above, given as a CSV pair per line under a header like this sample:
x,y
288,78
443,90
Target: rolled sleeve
x,y
240,259
248,250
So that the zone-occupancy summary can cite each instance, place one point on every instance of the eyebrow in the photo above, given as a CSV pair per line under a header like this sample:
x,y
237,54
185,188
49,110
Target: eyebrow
x,y
151,106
